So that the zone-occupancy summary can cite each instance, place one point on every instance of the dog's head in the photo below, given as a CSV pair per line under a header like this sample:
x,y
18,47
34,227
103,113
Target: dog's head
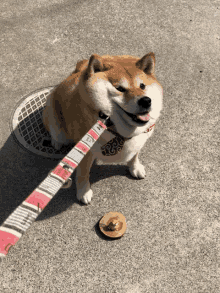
x,y
124,88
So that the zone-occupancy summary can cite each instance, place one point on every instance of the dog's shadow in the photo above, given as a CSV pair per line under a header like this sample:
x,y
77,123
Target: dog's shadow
x,y
22,171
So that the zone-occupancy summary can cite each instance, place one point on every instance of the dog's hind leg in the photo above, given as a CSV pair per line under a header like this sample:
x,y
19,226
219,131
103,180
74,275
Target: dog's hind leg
x,y
58,137
53,120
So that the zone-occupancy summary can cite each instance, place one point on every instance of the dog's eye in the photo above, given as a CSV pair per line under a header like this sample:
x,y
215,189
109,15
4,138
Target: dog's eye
x,y
142,86
120,89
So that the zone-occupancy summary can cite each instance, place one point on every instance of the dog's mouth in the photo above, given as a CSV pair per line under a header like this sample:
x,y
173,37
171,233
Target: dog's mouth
x,y
140,118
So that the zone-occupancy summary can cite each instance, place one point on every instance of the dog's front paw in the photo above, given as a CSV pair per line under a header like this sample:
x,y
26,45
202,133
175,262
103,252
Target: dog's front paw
x,y
137,171
85,197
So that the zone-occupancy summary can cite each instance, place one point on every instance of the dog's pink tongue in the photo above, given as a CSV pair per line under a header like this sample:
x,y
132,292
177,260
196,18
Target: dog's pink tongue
x,y
145,117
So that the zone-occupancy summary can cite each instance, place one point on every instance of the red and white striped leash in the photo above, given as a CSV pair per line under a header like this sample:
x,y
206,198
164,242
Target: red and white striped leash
x,y
25,214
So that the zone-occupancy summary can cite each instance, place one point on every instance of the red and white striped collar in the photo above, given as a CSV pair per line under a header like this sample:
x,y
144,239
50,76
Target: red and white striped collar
x,y
112,129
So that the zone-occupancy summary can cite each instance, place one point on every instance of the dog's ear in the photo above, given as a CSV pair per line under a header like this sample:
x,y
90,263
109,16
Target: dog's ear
x,y
147,63
95,64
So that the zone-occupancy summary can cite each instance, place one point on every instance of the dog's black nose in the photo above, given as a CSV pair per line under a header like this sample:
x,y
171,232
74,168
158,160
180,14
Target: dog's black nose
x,y
145,102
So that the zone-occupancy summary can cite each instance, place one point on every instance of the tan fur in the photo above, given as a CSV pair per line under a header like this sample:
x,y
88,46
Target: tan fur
x,y
73,108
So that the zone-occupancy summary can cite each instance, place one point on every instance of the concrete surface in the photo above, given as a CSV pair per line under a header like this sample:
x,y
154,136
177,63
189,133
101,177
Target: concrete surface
x,y
173,216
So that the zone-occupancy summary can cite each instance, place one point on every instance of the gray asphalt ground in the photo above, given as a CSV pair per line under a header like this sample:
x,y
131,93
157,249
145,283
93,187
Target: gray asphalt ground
x,y
173,216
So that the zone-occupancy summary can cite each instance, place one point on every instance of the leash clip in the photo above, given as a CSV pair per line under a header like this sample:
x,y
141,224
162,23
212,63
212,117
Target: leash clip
x,y
106,118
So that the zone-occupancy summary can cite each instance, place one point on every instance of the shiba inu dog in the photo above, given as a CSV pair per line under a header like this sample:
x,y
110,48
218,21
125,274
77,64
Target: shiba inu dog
x,y
122,87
